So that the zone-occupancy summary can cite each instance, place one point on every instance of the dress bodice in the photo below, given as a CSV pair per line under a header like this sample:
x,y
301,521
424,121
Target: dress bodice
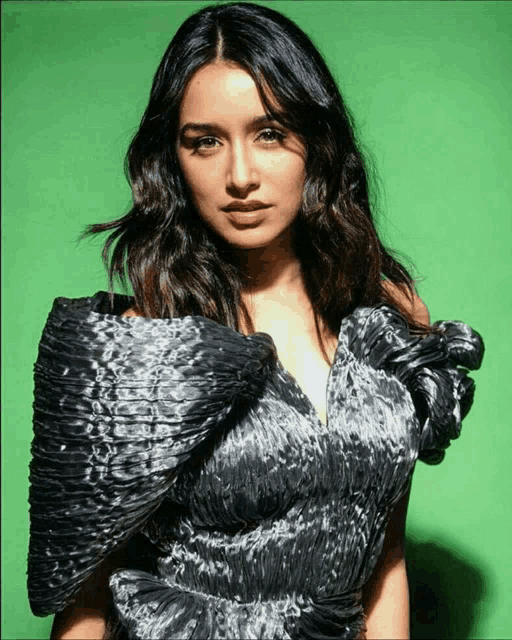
x,y
264,523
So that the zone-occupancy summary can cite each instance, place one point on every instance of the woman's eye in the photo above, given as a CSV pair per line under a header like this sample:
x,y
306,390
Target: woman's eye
x,y
272,135
204,143
210,142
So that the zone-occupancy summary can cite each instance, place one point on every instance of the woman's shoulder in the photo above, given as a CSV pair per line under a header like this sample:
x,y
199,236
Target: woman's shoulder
x,y
414,306
132,312
101,303
109,331
433,365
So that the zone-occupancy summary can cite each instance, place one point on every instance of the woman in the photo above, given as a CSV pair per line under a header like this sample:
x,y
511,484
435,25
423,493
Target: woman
x,y
229,452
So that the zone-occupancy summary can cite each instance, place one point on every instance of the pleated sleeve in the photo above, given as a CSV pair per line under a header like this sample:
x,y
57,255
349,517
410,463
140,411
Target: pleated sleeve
x,y
433,368
119,405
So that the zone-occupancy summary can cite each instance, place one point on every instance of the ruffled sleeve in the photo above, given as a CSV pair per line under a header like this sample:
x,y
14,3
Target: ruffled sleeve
x,y
120,404
433,368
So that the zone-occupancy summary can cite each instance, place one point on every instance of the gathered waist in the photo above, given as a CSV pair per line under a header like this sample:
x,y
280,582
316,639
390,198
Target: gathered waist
x,y
152,607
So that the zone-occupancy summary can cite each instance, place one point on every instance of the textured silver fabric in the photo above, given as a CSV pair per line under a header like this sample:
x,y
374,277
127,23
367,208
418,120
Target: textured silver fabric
x,y
264,523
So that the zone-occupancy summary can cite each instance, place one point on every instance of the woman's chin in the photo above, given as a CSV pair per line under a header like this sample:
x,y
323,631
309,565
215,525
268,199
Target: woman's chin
x,y
248,239
252,244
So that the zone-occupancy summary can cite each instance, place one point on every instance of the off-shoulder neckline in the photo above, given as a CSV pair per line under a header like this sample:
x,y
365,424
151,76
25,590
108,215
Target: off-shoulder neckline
x,y
88,305
374,335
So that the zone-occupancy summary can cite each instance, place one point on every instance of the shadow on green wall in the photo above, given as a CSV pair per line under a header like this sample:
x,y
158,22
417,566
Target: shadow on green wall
x,y
446,591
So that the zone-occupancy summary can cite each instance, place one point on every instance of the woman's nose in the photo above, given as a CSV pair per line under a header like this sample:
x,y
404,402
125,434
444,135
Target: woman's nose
x,y
242,173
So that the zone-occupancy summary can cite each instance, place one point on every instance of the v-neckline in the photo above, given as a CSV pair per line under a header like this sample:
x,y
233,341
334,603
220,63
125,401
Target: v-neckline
x,y
294,381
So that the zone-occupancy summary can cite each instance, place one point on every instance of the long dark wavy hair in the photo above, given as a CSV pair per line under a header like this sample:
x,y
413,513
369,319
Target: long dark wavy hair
x,y
175,263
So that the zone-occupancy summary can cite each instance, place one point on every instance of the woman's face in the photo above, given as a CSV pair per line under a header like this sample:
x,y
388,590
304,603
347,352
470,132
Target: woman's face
x,y
231,157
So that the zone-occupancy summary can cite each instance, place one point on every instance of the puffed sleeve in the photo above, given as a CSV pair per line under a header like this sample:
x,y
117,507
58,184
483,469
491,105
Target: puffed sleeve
x,y
434,369
119,405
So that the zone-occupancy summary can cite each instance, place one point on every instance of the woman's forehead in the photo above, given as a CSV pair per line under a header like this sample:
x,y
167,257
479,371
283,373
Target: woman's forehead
x,y
222,91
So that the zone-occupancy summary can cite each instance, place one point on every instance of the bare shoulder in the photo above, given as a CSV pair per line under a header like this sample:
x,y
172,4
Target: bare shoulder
x,y
132,313
416,307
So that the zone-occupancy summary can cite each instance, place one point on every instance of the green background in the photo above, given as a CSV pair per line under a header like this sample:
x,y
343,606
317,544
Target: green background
x,y
429,84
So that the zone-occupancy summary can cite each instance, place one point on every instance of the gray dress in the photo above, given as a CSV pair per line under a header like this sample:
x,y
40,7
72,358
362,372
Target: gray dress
x,y
260,522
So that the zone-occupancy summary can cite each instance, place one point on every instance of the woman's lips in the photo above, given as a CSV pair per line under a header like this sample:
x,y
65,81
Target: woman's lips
x,y
244,219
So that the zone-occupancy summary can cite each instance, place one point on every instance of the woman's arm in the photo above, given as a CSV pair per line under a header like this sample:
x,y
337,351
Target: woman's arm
x,y
78,623
86,619
386,594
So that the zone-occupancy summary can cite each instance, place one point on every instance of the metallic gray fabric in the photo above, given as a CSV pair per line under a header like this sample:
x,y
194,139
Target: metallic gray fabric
x,y
264,523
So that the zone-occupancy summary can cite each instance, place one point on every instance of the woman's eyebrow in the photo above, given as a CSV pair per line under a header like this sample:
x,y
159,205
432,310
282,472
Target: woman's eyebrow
x,y
212,128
